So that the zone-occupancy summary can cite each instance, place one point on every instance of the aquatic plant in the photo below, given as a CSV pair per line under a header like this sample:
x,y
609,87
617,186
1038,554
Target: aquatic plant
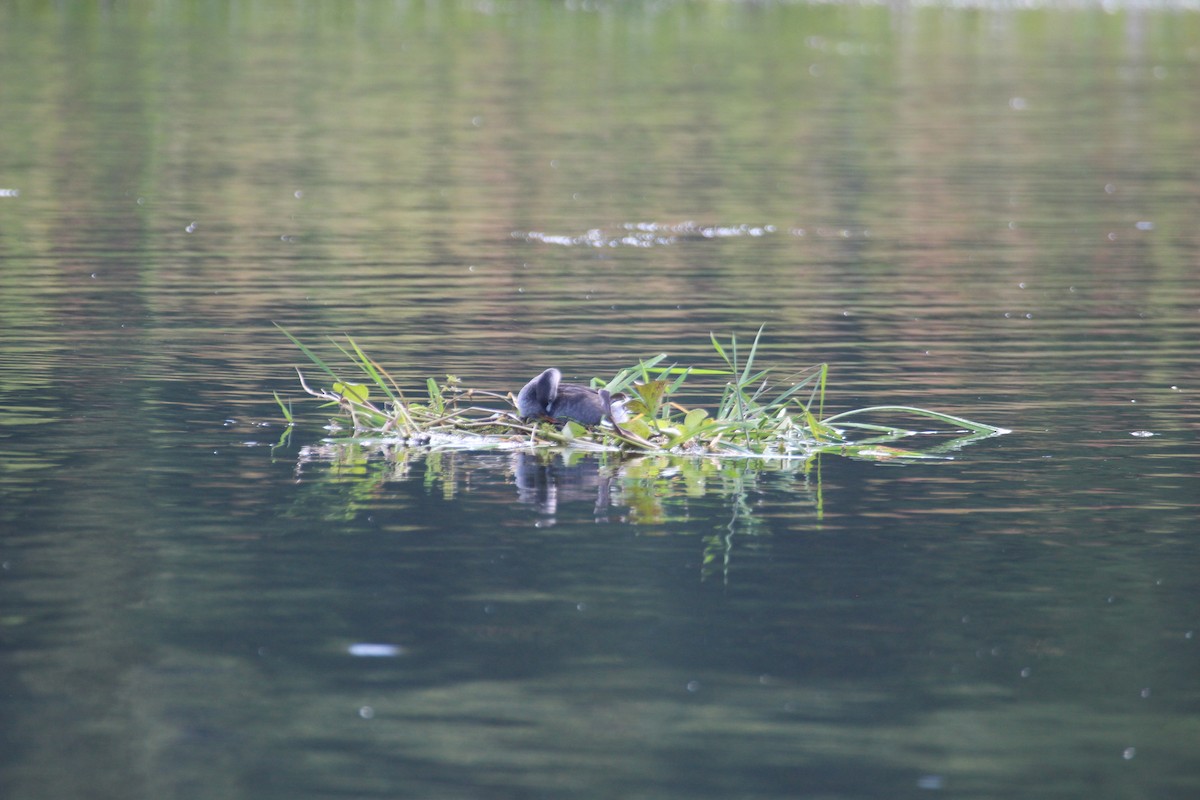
x,y
755,419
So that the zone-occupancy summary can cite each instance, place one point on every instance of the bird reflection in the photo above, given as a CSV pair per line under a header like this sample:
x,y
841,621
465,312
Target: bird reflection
x,y
548,482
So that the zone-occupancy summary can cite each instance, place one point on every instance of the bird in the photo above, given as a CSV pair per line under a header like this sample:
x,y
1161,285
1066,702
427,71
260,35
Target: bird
x,y
546,397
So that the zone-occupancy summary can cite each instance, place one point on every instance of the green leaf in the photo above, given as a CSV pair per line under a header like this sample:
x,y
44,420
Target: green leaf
x,y
638,427
648,398
436,401
354,392
695,422
695,418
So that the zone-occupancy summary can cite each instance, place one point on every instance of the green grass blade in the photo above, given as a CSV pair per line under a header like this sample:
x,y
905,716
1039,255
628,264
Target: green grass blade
x,y
821,401
720,350
286,409
372,369
313,357
676,370
627,376
750,358
679,381
436,401
949,419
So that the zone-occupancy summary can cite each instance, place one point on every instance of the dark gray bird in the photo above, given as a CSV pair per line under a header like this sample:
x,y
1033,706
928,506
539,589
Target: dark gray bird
x,y
546,397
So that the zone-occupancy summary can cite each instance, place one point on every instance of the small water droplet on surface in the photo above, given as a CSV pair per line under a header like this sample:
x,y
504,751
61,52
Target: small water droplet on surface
x,y
1128,753
191,228
1145,225
366,712
693,686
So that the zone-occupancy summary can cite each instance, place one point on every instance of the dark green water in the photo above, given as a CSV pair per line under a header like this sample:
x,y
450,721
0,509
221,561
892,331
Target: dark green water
x,y
984,211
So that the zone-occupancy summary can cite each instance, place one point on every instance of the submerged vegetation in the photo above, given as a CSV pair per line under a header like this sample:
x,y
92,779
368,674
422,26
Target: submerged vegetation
x,y
754,419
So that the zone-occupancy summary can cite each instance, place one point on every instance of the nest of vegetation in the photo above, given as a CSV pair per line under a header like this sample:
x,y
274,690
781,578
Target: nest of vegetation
x,y
755,419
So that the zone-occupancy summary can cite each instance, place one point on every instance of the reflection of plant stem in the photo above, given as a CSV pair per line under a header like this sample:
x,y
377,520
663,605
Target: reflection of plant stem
x,y
739,502
740,507
284,438
820,495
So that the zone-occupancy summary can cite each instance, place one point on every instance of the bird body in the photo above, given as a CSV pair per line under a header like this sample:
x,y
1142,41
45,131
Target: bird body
x,y
546,397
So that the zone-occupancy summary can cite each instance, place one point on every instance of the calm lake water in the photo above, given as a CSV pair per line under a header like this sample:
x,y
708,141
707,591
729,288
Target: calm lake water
x,y
985,211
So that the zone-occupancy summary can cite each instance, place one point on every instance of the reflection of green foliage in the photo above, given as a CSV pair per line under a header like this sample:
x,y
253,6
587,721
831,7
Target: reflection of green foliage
x,y
657,490
754,419
648,482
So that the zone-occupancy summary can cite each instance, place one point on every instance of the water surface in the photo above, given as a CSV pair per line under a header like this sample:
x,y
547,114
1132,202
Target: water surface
x,y
985,211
